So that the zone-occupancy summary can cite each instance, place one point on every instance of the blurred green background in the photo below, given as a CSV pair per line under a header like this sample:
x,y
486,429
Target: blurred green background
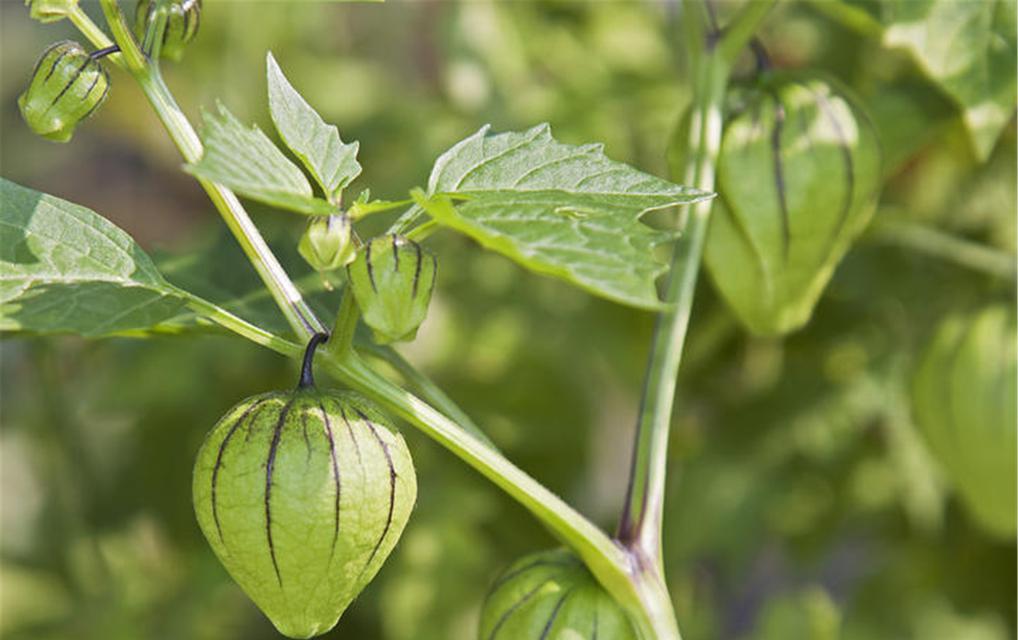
x,y
802,502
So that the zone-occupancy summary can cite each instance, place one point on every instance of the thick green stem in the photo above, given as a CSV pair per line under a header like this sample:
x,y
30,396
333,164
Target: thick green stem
x,y
134,59
427,389
300,317
606,560
640,528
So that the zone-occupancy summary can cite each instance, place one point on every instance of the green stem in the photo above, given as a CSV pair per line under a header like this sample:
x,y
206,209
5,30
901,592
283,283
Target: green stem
x,y
422,231
606,559
300,317
241,327
134,59
95,35
945,246
427,388
641,523
152,43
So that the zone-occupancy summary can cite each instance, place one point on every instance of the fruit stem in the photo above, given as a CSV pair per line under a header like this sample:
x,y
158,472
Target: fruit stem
x,y
307,367
99,54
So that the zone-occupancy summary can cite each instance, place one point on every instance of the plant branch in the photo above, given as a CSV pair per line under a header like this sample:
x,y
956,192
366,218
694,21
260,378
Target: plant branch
x,y
640,526
241,327
611,565
427,388
300,317
945,246
95,35
134,60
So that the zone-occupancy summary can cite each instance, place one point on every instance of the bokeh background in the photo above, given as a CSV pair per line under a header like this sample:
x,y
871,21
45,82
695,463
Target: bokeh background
x,y
802,501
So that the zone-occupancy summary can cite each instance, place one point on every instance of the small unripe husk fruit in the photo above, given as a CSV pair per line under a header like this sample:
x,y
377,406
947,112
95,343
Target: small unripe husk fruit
x,y
67,86
553,596
797,179
302,495
964,403
327,243
392,279
182,21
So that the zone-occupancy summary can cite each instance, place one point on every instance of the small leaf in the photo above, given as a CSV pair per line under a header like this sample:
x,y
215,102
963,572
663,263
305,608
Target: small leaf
x,y
246,161
66,269
332,163
968,49
557,209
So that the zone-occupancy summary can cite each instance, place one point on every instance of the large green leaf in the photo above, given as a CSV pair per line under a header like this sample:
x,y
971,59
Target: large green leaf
x,y
66,269
332,163
557,209
246,161
969,49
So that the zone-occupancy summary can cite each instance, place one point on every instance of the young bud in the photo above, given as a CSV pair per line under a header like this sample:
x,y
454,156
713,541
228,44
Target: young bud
x,y
797,176
551,595
50,10
67,86
964,398
327,243
302,496
182,23
392,279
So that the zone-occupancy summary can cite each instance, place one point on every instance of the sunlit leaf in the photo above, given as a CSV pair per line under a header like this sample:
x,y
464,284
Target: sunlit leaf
x,y
246,161
332,163
557,209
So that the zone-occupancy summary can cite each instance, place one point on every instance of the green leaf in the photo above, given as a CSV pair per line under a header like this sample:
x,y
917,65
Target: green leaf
x,y
969,50
246,161
332,163
557,209
66,269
